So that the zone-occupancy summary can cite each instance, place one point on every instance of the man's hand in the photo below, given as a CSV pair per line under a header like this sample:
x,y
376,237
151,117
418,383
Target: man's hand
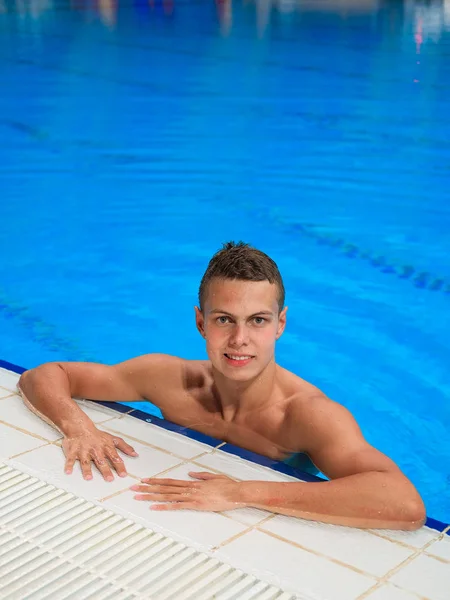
x,y
213,492
99,447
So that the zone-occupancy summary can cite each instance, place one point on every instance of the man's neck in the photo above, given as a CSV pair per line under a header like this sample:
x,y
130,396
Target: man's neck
x,y
238,398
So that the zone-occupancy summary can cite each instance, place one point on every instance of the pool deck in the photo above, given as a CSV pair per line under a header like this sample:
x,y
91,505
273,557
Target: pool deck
x,y
310,560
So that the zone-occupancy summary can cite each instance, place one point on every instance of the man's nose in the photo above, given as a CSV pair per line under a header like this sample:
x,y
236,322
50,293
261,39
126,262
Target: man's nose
x,y
239,336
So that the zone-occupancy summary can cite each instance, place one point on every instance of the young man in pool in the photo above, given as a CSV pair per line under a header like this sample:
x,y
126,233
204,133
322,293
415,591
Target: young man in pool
x,y
239,395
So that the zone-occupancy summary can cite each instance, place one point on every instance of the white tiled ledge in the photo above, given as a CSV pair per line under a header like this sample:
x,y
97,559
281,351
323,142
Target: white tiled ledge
x,y
314,560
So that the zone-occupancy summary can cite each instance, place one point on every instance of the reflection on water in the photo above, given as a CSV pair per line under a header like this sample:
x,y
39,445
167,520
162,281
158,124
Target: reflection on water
x,y
432,16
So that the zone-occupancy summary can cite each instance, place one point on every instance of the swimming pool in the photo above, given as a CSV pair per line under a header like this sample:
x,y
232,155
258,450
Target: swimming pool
x,y
135,140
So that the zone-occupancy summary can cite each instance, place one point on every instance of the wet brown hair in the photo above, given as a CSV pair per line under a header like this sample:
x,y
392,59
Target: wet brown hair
x,y
245,263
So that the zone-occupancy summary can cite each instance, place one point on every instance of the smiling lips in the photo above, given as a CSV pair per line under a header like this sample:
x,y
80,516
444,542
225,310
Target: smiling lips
x,y
238,360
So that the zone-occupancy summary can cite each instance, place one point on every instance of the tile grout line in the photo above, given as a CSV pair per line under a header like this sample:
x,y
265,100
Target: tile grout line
x,y
2,387
146,443
444,561
238,535
397,568
232,538
380,584
400,543
139,477
14,456
26,431
440,538
319,554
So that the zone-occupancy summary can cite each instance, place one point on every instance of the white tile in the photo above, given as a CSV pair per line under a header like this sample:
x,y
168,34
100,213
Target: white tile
x,y
4,393
292,568
152,434
390,592
47,463
356,547
416,539
248,516
14,442
14,411
441,549
238,468
201,529
150,461
96,412
9,380
426,576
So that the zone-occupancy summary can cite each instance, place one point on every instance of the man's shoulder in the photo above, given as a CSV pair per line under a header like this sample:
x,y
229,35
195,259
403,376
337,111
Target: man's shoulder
x,y
160,360
307,406
158,369
300,391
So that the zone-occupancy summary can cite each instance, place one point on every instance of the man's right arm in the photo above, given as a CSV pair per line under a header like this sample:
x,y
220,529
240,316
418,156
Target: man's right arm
x,y
49,389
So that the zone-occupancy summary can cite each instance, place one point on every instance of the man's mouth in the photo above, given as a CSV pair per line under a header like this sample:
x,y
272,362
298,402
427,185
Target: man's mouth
x,y
238,359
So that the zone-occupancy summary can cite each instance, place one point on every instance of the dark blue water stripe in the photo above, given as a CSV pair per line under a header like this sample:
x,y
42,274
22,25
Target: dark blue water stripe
x,y
210,441
39,330
420,279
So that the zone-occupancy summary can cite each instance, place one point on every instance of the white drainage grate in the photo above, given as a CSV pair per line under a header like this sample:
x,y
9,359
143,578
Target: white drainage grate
x,y
56,545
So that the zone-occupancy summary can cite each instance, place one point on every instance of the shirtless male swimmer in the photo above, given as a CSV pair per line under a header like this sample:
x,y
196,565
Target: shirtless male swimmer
x,y
240,395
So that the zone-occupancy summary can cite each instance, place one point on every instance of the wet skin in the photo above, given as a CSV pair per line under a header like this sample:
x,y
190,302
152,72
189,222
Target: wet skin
x,y
240,395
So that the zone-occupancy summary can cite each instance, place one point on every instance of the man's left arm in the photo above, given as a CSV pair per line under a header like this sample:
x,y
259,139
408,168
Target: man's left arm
x,y
366,488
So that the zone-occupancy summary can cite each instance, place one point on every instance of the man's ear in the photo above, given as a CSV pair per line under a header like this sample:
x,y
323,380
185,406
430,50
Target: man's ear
x,y
199,321
281,322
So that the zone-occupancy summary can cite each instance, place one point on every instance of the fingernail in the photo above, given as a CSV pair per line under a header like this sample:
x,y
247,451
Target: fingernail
x,y
134,488
109,478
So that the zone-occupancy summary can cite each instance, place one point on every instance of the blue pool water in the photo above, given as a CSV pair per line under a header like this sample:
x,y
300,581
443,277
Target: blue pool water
x,y
136,137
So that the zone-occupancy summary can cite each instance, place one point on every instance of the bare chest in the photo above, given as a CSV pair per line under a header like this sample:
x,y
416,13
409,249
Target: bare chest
x,y
263,434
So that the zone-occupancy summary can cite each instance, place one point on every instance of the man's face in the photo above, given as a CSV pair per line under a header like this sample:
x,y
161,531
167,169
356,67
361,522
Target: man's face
x,y
240,323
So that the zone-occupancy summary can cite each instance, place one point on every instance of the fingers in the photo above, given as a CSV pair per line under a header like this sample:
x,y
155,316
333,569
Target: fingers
x,y
86,458
70,461
103,466
175,506
161,489
99,448
126,448
86,469
161,497
116,462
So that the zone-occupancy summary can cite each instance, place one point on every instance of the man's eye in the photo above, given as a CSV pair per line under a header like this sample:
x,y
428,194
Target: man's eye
x,y
259,320
222,320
